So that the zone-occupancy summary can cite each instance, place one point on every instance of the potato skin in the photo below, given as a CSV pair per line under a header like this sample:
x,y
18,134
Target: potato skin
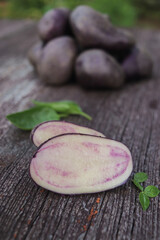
x,y
54,23
94,30
137,64
97,69
35,53
57,60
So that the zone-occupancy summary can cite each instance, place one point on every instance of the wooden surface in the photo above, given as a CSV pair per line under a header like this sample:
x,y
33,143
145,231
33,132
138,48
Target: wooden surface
x,y
130,115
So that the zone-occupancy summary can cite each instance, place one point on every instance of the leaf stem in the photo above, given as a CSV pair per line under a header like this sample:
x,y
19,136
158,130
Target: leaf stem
x,y
138,185
85,115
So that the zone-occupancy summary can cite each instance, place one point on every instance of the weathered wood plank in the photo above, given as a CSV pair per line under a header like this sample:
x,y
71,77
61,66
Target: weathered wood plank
x,y
11,26
130,115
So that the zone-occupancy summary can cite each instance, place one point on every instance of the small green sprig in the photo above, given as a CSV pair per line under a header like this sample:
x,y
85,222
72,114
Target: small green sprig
x,y
149,192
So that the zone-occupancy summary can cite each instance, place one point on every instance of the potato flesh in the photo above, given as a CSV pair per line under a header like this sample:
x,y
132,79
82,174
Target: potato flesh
x,y
77,163
53,128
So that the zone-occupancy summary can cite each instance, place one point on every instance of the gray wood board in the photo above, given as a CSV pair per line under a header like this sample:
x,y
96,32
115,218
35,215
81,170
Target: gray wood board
x,y
130,115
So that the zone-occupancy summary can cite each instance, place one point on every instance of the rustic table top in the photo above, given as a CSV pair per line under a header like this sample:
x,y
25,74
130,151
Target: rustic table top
x,y
130,115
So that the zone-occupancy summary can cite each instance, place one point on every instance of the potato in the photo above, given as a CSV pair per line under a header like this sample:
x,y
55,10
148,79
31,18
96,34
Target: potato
x,y
57,60
137,64
50,129
35,53
78,163
54,23
94,30
97,69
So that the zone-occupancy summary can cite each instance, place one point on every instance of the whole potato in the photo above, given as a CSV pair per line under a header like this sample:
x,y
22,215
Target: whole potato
x,y
94,30
137,64
35,53
54,23
57,60
97,69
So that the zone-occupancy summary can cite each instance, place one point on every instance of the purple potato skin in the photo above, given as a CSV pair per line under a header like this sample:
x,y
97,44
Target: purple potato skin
x,y
35,53
57,61
137,64
97,69
94,30
54,23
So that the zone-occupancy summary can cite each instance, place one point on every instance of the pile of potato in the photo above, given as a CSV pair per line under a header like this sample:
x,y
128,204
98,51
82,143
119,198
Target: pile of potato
x,y
84,45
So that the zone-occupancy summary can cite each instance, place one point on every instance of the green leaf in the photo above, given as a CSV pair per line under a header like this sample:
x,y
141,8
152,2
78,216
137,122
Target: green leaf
x,y
28,119
63,115
144,200
151,191
64,107
61,106
137,184
140,177
45,111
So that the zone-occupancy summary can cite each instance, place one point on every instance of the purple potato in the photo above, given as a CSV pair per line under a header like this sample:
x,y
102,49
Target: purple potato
x,y
57,60
35,53
49,129
94,30
137,64
78,163
97,69
54,23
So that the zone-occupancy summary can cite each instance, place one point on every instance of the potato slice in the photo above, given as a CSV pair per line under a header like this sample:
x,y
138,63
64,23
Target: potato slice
x,y
46,130
78,163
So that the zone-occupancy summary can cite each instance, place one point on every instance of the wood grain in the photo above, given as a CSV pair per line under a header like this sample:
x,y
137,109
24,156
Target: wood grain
x,y
130,115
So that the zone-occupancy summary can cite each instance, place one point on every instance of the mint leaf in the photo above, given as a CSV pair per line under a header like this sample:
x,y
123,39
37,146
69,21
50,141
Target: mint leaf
x,y
28,119
151,191
64,107
144,200
61,106
75,109
140,177
137,184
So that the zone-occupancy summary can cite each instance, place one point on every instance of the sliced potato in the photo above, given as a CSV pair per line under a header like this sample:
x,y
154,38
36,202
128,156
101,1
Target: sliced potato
x,y
78,163
46,130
